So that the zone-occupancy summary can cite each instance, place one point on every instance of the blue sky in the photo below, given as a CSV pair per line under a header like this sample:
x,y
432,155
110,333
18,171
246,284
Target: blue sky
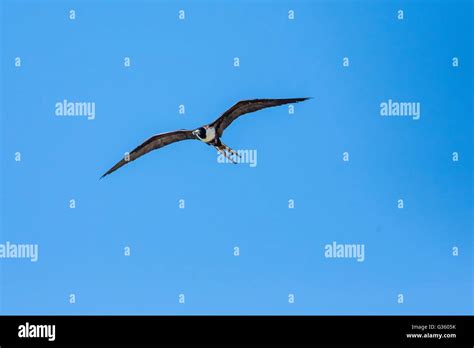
x,y
190,251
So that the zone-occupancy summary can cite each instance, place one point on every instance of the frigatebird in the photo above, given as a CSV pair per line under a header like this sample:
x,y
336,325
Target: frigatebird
x,y
209,134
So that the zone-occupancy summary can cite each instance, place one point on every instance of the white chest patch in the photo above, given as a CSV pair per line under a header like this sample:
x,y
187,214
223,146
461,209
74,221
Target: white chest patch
x,y
210,135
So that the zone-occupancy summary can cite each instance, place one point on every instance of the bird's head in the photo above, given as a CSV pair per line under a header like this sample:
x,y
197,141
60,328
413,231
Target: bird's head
x,y
200,133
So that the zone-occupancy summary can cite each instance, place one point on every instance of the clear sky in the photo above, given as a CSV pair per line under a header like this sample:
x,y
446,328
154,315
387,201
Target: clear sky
x,y
407,251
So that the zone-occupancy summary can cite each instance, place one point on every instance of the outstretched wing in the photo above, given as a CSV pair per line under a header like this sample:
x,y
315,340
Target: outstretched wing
x,y
245,107
153,143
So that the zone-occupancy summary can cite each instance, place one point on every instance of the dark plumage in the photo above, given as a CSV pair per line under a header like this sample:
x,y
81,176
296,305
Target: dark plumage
x,y
153,143
247,106
210,134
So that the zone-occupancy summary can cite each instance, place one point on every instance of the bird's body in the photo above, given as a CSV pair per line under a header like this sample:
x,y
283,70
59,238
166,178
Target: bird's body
x,y
206,134
209,134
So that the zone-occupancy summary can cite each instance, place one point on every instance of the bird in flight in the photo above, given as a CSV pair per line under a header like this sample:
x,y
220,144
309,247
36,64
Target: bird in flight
x,y
209,134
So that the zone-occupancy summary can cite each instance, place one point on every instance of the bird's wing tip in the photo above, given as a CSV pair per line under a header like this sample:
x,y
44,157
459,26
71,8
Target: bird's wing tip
x,y
301,99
